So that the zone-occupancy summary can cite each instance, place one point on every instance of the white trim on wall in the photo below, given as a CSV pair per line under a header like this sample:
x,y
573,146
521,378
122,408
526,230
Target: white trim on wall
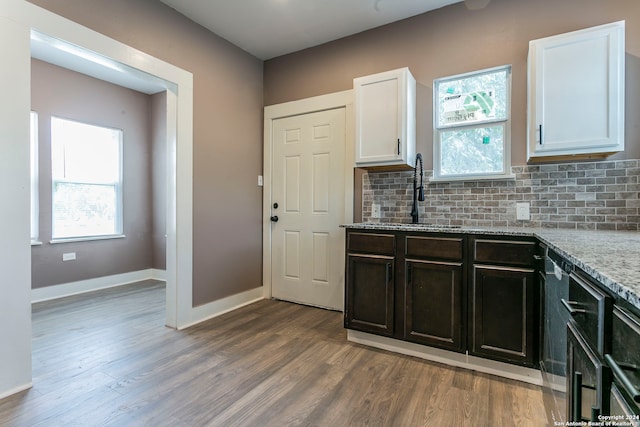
x,y
450,358
83,286
224,305
15,250
18,19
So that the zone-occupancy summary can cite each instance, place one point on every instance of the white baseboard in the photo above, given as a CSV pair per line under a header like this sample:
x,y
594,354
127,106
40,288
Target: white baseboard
x,y
15,390
89,285
159,274
499,369
224,305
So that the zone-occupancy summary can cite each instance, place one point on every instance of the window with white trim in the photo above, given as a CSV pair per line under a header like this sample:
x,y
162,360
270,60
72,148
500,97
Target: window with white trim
x,y
86,166
472,125
33,151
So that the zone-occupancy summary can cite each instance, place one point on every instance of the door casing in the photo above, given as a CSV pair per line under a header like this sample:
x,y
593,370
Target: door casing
x,y
293,108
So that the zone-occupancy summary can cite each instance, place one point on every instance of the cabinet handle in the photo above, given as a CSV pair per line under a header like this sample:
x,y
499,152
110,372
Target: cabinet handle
x,y
569,305
576,399
409,273
389,272
540,131
398,146
624,379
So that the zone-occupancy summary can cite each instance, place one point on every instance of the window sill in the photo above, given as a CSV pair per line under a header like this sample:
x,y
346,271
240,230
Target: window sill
x,y
509,177
36,243
86,239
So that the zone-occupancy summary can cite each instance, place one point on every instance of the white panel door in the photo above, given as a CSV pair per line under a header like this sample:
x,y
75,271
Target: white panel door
x,y
308,189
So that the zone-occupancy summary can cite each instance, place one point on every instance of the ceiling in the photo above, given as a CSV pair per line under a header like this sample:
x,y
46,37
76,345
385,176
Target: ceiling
x,y
270,28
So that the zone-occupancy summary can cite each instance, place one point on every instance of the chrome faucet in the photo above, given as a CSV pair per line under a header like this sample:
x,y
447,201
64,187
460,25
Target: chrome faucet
x,y
418,191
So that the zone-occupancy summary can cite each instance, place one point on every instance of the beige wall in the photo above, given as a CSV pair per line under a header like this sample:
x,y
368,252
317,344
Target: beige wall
x,y
455,40
227,133
59,92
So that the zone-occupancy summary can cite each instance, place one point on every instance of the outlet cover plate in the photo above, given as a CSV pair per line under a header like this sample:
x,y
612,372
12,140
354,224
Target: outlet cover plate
x,y
523,211
375,210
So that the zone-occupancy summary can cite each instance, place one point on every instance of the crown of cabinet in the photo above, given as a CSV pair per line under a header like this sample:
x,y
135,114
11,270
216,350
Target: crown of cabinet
x,y
385,108
576,94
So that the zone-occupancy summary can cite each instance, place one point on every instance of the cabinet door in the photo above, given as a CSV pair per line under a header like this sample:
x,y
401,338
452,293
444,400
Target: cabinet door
x,y
576,92
385,118
587,379
619,406
502,314
434,304
369,296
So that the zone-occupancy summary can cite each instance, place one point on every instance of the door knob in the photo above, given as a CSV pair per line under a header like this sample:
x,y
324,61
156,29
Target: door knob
x,y
274,218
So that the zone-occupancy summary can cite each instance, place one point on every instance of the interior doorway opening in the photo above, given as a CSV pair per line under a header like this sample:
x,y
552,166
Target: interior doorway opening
x,y
94,64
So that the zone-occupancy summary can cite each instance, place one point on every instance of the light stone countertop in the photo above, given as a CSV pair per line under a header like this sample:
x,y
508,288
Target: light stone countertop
x,y
610,257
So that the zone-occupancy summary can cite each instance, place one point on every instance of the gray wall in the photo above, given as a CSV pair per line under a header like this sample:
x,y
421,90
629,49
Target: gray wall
x,y
455,40
227,129
59,92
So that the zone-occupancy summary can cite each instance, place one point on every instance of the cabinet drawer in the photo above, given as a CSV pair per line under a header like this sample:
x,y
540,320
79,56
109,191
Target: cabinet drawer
x,y
434,247
588,379
589,306
625,354
508,252
371,243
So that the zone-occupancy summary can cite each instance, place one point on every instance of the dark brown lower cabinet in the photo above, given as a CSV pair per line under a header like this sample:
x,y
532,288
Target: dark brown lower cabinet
x,y
435,289
502,316
624,361
622,409
434,307
369,299
588,379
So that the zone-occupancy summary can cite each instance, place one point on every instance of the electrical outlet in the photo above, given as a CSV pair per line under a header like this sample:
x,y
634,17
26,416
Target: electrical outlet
x,y
69,256
260,181
375,210
522,211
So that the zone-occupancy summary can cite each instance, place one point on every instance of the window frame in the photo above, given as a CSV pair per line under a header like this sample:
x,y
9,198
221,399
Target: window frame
x,y
118,220
439,129
34,139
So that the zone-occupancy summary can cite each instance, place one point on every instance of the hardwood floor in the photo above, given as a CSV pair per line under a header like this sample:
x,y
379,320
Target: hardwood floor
x,y
106,359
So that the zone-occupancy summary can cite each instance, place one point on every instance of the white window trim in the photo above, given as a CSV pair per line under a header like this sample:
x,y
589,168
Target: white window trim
x,y
119,220
35,174
86,239
506,161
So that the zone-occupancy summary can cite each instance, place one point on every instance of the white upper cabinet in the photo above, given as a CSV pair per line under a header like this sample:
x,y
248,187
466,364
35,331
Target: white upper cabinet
x,y
576,93
385,107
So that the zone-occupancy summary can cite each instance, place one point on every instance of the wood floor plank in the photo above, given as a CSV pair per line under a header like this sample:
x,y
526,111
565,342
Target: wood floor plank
x,y
106,359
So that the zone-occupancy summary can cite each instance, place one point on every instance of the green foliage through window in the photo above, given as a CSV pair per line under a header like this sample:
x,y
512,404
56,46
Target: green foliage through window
x,y
471,124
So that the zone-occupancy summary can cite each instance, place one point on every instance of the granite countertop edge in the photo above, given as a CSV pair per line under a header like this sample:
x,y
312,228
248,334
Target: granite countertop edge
x,y
606,256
